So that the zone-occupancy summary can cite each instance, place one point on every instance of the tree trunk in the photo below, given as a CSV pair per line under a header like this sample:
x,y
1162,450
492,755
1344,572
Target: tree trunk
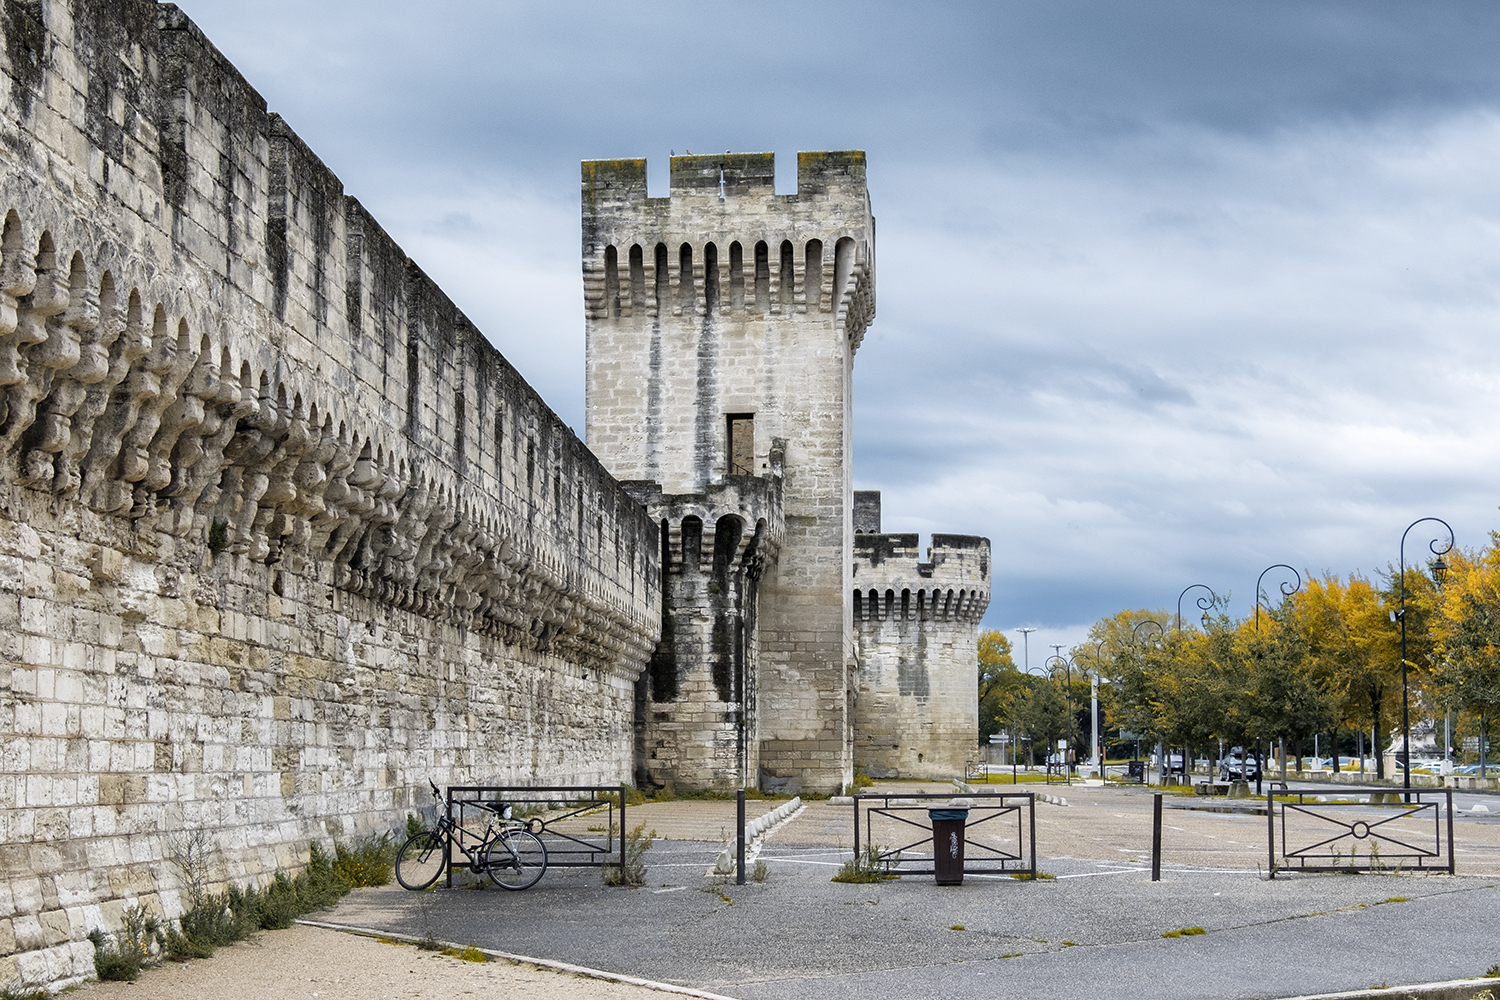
x,y
1333,738
1378,750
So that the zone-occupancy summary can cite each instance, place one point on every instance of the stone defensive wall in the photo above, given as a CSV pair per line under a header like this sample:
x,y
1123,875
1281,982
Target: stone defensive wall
x,y
916,624
281,536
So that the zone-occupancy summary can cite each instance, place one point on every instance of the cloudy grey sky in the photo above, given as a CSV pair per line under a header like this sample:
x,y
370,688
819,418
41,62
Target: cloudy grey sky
x,y
1169,291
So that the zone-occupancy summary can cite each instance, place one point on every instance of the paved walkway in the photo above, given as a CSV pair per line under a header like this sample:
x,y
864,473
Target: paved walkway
x,y
1093,931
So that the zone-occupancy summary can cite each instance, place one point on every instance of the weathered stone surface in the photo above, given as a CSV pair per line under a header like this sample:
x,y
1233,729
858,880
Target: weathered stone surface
x,y
728,305
281,535
916,714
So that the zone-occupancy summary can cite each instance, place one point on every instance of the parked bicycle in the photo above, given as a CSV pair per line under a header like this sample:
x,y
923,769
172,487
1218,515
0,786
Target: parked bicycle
x,y
509,853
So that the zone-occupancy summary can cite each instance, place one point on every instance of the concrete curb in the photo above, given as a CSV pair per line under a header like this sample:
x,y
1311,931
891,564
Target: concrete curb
x,y
1455,989
544,963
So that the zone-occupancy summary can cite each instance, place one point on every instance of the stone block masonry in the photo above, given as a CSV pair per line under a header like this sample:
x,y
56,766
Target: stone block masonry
x,y
281,535
916,714
722,325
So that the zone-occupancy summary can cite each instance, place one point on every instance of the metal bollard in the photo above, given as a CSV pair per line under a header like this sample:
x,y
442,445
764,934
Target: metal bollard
x,y
1156,838
739,815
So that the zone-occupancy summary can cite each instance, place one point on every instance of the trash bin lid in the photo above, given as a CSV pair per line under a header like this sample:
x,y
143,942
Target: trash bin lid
x,y
948,814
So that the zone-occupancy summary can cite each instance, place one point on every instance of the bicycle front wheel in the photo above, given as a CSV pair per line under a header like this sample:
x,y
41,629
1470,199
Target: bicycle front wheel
x,y
515,859
420,860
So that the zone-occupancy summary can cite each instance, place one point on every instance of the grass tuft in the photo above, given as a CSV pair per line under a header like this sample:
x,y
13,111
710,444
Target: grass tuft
x,y
865,868
633,872
469,954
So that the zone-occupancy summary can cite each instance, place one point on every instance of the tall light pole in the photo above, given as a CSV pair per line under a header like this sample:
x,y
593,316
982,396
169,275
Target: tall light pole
x,y
1138,640
1438,568
1026,645
1068,674
1285,593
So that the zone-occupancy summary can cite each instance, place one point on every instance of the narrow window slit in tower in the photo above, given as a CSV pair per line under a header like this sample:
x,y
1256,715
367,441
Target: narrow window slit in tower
x,y
711,278
663,278
788,272
736,277
813,275
611,282
741,437
637,279
762,276
685,277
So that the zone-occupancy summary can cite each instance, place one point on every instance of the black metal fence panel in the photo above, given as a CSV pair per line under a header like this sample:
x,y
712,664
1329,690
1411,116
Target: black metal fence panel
x,y
1360,830
999,836
553,813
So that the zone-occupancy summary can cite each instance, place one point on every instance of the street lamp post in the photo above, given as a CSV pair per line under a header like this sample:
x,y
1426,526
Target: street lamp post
x,y
1068,674
1136,639
1284,591
1205,604
1259,762
1026,646
1438,568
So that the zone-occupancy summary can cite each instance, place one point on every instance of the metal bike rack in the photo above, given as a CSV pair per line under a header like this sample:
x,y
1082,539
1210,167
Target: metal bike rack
x,y
564,850
991,812
1397,828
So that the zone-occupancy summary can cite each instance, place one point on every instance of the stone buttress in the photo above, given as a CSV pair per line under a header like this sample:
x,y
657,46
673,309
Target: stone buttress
x,y
722,324
916,713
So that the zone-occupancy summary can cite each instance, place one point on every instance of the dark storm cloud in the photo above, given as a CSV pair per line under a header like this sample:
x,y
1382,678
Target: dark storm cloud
x,y
1167,291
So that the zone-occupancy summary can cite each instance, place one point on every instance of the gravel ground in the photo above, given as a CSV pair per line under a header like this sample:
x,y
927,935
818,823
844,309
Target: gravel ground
x,y
308,962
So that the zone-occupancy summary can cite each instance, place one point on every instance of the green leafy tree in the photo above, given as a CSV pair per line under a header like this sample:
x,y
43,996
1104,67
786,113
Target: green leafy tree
x,y
1467,650
999,683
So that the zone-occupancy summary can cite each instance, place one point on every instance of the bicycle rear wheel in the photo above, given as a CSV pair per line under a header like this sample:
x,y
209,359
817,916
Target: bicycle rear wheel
x,y
420,860
515,859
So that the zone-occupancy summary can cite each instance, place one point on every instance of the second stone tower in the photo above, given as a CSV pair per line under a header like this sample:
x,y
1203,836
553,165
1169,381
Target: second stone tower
x,y
722,326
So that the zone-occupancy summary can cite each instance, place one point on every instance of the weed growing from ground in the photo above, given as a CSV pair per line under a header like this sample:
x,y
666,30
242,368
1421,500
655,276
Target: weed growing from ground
x,y
23,992
1027,876
759,872
633,871
366,862
235,914
469,954
414,825
868,866
1493,972
121,955
1185,932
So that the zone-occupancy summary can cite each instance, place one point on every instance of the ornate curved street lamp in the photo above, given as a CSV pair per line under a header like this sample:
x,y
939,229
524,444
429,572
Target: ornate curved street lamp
x,y
1135,633
1205,604
1068,665
1137,639
1438,569
1284,591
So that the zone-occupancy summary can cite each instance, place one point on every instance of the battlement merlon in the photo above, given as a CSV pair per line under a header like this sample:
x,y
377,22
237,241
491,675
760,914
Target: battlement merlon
x,y
834,175
892,561
813,251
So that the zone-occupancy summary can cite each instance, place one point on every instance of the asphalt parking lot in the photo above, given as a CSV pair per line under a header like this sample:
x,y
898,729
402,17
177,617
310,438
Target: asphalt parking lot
x,y
1095,929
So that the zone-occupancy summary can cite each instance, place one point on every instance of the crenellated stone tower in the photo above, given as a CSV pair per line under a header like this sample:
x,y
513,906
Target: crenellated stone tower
x,y
722,326
917,626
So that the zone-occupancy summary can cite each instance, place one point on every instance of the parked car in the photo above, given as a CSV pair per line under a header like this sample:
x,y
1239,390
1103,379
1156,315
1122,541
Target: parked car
x,y
1174,763
1239,769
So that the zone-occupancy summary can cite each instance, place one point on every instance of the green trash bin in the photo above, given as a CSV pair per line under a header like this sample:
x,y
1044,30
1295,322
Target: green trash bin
x,y
948,845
